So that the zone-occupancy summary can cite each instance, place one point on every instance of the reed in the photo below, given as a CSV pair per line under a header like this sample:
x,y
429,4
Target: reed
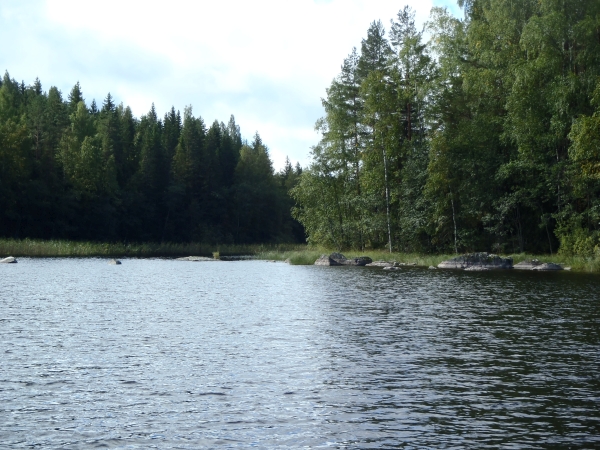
x,y
296,254
64,248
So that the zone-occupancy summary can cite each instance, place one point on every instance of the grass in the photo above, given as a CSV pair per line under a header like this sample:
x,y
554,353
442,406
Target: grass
x,y
63,248
294,253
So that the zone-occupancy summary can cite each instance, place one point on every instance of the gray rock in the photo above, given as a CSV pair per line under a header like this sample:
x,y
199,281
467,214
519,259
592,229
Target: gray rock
x,y
528,264
432,268
548,266
487,260
337,259
114,262
380,264
325,260
8,260
477,269
195,258
391,268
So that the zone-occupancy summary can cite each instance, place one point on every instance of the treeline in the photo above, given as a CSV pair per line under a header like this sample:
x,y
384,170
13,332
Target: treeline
x,y
73,171
485,137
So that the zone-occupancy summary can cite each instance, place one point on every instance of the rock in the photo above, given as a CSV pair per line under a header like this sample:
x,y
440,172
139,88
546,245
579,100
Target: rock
x,y
337,259
288,261
535,264
8,260
487,260
391,268
432,268
325,260
195,258
114,262
380,264
548,266
528,264
477,268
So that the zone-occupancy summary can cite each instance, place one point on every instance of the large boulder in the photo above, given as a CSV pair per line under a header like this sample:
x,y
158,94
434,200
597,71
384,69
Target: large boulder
x,y
8,260
337,259
477,261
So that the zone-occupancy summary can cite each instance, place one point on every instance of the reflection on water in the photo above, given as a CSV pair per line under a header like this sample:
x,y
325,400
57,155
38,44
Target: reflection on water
x,y
168,354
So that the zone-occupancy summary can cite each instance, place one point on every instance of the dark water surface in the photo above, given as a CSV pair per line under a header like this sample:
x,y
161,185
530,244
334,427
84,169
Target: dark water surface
x,y
167,354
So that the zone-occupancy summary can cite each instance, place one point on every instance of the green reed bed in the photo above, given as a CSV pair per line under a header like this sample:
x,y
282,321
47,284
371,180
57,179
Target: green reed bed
x,y
63,248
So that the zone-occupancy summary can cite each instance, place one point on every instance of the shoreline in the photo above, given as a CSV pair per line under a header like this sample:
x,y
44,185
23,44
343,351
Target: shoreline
x,y
295,254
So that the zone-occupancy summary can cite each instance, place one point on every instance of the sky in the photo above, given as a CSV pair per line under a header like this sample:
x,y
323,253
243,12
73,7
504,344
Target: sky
x,y
267,62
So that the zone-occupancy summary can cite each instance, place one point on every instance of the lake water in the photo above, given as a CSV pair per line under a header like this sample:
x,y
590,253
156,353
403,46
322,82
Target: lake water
x,y
168,354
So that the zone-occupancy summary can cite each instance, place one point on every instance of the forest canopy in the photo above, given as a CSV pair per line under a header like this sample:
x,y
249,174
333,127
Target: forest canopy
x,y
480,133
69,170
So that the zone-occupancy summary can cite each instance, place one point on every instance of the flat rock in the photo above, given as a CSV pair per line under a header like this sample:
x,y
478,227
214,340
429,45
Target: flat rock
x,y
195,258
337,259
391,268
487,260
432,268
114,262
528,264
477,269
8,260
380,264
548,266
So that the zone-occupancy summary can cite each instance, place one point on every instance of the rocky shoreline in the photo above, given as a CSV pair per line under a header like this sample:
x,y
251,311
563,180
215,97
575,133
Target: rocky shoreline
x,y
471,262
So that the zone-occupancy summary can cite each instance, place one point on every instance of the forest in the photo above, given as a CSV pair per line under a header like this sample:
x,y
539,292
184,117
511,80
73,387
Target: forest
x,y
473,133
74,171
479,133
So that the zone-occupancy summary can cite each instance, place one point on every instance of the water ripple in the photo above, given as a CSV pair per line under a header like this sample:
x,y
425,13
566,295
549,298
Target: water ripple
x,y
165,354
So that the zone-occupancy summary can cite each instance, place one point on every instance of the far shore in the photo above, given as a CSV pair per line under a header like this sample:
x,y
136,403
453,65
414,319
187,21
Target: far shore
x,y
295,254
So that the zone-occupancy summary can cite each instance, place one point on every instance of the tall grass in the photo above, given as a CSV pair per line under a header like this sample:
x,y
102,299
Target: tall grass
x,y
63,248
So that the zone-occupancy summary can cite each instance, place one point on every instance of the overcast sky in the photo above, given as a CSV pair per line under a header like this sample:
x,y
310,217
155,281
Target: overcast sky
x,y
267,62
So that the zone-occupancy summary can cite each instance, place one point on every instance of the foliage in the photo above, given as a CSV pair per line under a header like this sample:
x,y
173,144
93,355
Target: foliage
x,y
69,171
484,138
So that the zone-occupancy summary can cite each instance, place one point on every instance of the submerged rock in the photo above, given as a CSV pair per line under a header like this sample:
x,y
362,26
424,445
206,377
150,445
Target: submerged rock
x,y
337,259
8,260
548,266
478,260
195,258
477,269
114,262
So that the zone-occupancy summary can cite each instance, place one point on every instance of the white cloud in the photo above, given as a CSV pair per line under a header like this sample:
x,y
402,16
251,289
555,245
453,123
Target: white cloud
x,y
268,62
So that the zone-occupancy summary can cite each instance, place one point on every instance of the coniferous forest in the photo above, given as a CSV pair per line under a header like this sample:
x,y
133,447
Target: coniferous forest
x,y
480,133
472,134
69,170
